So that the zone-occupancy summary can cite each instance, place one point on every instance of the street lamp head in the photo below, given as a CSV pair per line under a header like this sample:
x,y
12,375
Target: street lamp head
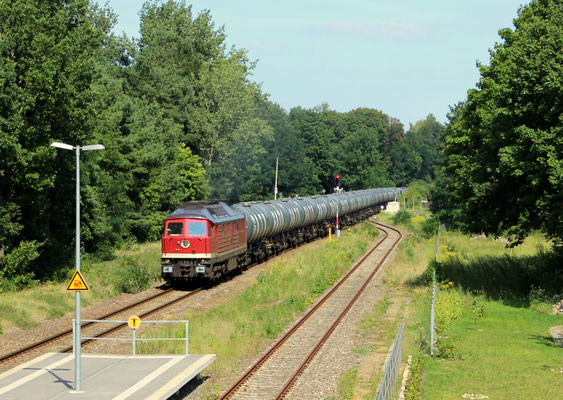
x,y
62,146
93,147
84,148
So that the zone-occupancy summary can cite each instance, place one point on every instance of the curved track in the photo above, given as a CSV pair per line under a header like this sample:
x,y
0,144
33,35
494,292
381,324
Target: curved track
x,y
274,374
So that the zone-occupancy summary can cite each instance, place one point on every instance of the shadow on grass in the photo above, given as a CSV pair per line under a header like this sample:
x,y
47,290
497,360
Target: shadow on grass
x,y
516,281
546,340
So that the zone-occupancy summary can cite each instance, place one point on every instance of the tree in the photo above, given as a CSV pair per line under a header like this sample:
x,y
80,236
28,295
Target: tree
x,y
504,144
424,139
359,160
295,175
47,51
317,131
224,100
240,174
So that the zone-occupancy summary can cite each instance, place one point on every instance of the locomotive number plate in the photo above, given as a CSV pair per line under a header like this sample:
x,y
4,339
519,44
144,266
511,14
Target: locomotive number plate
x,y
200,270
167,269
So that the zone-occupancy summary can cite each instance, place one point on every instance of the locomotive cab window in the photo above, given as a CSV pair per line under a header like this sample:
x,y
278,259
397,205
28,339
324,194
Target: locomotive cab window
x,y
175,229
196,229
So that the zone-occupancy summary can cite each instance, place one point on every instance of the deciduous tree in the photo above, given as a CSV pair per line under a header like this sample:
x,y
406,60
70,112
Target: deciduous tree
x,y
504,144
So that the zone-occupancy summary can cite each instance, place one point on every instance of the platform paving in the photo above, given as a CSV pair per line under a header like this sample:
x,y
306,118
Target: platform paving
x,y
117,377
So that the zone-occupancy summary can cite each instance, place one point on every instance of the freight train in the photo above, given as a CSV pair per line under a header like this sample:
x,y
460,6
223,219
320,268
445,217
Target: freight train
x,y
205,240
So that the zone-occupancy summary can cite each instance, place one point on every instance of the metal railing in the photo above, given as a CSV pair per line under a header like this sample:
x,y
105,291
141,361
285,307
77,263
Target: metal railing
x,y
135,339
392,369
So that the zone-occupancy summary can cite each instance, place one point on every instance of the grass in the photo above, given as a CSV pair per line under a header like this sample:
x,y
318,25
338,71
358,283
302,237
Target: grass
x,y
346,386
26,308
493,319
509,356
284,289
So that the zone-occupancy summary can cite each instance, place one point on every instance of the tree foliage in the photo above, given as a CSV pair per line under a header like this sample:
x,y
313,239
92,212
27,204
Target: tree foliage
x,y
47,51
504,144
181,119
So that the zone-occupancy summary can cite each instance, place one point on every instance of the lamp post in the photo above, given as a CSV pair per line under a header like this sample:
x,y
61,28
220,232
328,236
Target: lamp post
x,y
77,333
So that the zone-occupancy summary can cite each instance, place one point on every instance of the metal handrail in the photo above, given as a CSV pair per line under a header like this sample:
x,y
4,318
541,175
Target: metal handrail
x,y
135,339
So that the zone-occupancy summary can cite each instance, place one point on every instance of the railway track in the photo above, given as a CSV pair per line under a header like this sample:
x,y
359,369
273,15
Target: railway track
x,y
60,341
275,373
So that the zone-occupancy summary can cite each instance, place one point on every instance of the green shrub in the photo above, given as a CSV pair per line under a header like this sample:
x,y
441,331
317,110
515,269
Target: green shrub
x,y
16,266
429,227
136,277
446,349
427,275
449,306
413,387
402,217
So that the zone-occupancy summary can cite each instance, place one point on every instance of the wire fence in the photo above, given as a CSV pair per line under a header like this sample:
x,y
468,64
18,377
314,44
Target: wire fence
x,y
392,369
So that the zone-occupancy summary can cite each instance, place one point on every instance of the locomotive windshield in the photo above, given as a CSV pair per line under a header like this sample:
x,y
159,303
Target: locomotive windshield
x,y
196,229
174,228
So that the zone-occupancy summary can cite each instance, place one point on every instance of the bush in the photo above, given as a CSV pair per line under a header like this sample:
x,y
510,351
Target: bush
x,y
17,271
429,227
446,349
413,387
449,306
428,274
136,278
402,217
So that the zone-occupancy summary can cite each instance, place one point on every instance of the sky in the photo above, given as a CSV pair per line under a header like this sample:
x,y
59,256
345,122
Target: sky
x,y
407,58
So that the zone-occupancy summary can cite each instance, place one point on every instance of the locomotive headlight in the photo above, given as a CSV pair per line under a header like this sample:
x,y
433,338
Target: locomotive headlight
x,y
185,244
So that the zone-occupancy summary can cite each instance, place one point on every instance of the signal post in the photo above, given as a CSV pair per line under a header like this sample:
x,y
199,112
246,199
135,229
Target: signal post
x,y
337,190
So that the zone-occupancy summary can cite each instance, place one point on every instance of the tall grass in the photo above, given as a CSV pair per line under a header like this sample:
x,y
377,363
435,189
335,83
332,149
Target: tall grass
x,y
485,266
413,253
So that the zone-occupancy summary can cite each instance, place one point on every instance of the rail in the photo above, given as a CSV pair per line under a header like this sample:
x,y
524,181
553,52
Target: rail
x,y
392,369
135,339
307,358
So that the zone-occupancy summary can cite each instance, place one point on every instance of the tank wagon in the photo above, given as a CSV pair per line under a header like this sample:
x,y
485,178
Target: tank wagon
x,y
204,240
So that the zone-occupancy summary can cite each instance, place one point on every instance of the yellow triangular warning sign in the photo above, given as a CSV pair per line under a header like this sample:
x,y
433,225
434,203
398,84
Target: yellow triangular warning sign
x,y
77,283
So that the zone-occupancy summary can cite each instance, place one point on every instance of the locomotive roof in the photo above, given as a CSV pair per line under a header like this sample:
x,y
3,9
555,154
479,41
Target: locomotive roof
x,y
217,212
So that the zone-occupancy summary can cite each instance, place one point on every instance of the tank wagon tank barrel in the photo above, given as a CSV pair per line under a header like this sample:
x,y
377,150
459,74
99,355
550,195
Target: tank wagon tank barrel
x,y
268,218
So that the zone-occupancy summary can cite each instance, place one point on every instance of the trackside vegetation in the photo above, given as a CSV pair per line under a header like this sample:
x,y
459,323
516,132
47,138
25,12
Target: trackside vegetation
x,y
133,269
282,290
493,316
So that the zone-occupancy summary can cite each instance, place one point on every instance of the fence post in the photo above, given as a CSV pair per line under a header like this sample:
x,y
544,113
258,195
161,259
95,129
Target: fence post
x,y
433,311
433,314
187,338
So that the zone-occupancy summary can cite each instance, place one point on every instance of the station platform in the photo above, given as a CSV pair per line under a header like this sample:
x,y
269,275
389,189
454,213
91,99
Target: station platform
x,y
117,377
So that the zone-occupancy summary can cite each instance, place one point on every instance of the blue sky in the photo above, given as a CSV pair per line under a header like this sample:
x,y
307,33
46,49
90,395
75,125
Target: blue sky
x,y
407,58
